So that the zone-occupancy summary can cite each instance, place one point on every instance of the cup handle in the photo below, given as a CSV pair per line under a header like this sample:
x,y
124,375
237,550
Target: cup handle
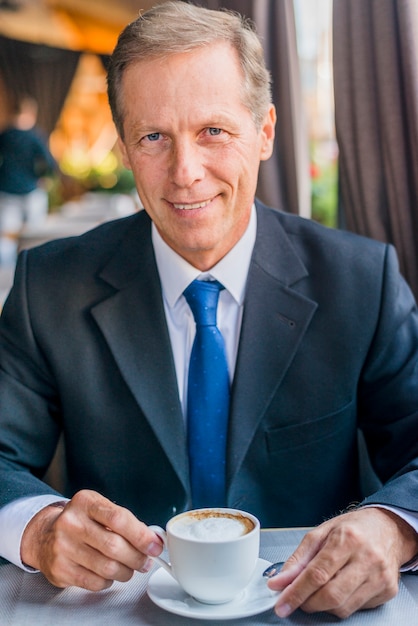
x,y
163,536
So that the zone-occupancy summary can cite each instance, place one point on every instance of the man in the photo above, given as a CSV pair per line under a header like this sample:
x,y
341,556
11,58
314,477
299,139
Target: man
x,y
320,332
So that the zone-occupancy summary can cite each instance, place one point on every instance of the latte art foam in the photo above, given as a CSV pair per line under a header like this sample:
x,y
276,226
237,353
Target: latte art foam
x,y
212,526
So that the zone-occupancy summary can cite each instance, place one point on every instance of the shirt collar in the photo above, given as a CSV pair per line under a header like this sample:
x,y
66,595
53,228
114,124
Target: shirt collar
x,y
176,273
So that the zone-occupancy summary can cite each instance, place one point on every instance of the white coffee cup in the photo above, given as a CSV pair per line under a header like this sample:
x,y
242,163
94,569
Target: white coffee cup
x,y
213,552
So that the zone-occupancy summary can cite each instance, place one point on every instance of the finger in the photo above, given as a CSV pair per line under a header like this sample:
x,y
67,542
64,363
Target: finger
x,y
77,547
123,523
86,522
349,570
86,579
102,566
68,573
116,557
62,564
338,593
84,553
282,579
334,599
318,561
298,561
297,593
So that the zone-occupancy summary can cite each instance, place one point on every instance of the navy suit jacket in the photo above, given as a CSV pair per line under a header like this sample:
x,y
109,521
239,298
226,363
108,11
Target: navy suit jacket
x,y
329,345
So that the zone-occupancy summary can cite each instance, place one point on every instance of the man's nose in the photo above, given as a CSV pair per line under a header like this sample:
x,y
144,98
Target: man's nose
x,y
186,165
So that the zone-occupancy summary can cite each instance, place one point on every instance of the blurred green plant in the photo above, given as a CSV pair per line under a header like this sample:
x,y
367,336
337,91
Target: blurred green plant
x,y
324,190
119,180
106,175
78,175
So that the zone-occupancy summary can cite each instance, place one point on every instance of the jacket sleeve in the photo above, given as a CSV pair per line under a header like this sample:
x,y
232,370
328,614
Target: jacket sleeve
x,y
29,413
388,393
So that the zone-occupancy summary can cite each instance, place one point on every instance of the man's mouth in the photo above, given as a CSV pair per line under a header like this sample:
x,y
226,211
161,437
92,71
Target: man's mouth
x,y
192,205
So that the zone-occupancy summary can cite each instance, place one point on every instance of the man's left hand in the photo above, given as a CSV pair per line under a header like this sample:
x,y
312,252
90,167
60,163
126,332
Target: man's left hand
x,y
348,563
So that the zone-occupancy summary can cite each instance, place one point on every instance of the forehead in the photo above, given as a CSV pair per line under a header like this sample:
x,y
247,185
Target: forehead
x,y
210,74
206,54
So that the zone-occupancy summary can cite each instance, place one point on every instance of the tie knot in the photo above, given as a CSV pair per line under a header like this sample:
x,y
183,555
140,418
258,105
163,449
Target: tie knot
x,y
202,297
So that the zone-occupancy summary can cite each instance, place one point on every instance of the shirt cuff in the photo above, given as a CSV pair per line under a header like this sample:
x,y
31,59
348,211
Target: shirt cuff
x,y
14,517
411,518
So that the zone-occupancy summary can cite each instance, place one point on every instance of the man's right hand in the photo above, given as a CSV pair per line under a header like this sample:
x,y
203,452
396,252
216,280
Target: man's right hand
x,y
89,542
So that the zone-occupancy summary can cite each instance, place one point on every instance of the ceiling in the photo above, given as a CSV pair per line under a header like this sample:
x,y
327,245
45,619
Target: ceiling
x,y
89,25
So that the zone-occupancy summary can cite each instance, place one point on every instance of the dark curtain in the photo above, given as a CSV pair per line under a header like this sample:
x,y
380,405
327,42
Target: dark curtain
x,y
39,72
376,112
284,180
105,59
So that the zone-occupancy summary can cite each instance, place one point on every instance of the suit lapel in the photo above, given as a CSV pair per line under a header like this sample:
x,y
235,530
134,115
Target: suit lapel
x,y
275,320
133,323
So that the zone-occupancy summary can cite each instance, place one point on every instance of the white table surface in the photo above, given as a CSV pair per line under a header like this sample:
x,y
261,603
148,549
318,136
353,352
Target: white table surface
x,y
29,600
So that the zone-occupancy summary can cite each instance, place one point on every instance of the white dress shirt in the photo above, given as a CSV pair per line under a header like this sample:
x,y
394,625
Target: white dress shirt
x,y
175,274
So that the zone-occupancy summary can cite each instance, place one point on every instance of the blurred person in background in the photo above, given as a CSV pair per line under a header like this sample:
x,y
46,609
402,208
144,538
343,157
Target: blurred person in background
x,y
25,161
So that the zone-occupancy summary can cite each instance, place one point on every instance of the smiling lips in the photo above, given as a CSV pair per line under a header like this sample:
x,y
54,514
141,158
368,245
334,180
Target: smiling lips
x,y
189,207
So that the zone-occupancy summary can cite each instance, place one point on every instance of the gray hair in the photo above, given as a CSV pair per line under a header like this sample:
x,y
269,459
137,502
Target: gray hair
x,y
175,27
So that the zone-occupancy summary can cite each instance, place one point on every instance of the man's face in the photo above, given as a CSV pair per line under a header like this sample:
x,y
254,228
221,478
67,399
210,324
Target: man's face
x,y
194,149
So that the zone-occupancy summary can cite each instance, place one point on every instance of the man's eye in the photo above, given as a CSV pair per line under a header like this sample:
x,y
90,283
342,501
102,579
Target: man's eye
x,y
153,136
214,131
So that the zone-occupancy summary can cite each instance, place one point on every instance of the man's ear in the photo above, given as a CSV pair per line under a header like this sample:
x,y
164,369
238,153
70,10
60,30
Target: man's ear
x,y
124,154
267,134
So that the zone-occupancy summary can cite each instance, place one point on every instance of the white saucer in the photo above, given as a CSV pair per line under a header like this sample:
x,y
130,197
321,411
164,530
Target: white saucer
x,y
166,593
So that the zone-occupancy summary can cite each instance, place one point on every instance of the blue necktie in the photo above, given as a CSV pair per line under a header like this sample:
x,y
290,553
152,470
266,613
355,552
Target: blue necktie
x,y
207,398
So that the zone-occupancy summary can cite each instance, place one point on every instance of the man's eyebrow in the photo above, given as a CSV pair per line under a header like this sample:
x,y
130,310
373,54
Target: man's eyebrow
x,y
142,127
218,119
